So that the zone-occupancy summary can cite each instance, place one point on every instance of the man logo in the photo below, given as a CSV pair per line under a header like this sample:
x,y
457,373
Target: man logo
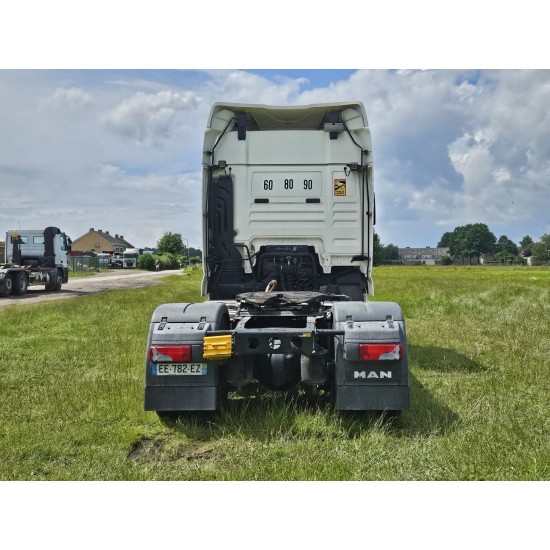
x,y
371,374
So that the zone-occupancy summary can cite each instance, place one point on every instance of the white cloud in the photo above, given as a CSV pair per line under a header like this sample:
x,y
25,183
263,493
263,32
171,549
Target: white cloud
x,y
147,205
150,118
501,175
243,87
71,98
466,92
110,176
472,159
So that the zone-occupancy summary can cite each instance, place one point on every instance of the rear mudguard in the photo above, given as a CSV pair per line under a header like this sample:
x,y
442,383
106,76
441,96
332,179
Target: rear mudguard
x,y
185,324
369,385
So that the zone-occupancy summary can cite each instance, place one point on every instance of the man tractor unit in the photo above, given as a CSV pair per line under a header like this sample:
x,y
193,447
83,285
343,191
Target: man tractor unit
x,y
34,258
288,212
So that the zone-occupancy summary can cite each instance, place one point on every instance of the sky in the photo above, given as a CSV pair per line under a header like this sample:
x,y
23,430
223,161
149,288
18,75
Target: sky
x,y
120,150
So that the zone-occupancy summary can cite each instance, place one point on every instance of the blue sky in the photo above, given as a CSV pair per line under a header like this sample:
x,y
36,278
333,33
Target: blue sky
x,y
312,78
120,150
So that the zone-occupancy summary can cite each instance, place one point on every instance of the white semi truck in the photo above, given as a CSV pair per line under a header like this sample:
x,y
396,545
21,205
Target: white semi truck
x,y
34,258
131,256
288,212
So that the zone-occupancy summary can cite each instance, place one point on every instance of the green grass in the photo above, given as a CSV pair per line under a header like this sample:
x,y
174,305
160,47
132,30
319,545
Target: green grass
x,y
71,390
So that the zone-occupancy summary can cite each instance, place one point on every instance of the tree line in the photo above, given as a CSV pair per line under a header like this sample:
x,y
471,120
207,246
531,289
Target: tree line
x,y
469,242
383,253
466,242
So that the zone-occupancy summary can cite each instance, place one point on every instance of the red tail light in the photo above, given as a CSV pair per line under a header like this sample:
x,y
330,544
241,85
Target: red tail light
x,y
380,352
175,354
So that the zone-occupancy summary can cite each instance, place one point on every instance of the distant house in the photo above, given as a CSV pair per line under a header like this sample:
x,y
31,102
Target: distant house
x,y
97,240
427,255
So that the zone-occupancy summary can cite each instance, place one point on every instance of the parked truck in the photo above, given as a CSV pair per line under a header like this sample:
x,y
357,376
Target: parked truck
x,y
131,256
288,213
117,260
34,258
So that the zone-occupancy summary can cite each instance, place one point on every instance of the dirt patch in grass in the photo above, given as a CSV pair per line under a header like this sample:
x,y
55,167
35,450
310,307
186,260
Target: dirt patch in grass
x,y
147,450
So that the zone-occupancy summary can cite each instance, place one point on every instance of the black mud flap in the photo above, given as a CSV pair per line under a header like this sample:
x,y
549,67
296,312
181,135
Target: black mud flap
x,y
173,326
372,398
370,385
183,398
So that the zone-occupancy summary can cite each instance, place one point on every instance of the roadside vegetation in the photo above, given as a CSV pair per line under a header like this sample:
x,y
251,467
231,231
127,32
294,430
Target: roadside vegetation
x,y
71,392
164,261
170,253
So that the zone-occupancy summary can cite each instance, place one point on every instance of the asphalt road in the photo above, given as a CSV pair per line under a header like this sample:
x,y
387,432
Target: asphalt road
x,y
82,286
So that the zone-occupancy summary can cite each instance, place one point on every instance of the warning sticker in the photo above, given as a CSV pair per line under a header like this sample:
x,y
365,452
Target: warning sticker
x,y
340,188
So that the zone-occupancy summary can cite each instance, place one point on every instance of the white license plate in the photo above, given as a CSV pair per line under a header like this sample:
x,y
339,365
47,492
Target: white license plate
x,y
183,369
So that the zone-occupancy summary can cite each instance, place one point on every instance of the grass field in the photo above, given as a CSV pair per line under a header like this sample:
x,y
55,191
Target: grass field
x,y
71,392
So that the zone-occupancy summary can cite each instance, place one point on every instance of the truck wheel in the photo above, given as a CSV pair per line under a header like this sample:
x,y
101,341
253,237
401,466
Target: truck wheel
x,y
8,285
20,284
56,282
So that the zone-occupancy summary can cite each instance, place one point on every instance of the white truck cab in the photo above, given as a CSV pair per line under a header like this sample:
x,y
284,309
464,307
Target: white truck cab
x,y
34,257
32,245
280,182
130,257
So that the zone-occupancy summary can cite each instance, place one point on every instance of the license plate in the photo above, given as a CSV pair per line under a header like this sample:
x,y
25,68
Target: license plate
x,y
176,369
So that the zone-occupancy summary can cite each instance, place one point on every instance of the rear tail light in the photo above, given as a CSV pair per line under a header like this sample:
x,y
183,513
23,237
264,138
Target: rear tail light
x,y
175,354
380,352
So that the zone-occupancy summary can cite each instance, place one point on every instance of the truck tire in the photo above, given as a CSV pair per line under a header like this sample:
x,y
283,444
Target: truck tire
x,y
7,287
20,284
56,282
